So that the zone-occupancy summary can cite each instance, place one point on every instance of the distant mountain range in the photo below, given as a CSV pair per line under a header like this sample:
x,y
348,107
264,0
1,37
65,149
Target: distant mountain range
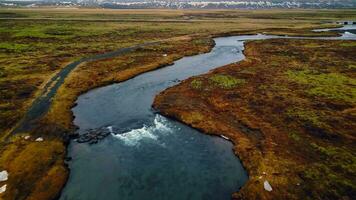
x,y
192,4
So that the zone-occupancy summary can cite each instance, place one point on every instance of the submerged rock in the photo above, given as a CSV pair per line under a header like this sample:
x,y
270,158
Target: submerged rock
x,y
267,186
93,136
4,175
73,135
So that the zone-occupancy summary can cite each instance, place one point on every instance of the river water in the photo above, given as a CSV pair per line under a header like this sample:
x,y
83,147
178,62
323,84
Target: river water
x,y
148,156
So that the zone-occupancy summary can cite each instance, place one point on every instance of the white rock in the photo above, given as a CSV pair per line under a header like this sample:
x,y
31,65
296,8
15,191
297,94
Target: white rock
x,y
27,137
3,189
226,138
267,186
3,175
164,55
39,139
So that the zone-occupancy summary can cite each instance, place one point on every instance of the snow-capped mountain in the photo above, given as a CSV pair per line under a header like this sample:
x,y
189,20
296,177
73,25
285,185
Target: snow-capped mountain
x,y
196,4
230,4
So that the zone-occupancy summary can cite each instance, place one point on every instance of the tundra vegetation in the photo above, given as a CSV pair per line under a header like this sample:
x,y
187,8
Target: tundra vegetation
x,y
35,44
292,118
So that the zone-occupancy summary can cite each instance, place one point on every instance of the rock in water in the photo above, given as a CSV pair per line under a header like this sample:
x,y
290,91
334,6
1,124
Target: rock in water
x,y
267,186
3,175
3,189
93,136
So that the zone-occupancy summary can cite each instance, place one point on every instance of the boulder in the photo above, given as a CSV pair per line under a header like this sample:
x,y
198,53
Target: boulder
x,y
93,136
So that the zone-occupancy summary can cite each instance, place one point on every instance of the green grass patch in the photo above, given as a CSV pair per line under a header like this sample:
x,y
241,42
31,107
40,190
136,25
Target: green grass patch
x,y
353,67
333,171
334,86
313,45
196,84
248,71
201,41
348,44
327,182
307,117
226,81
294,136
195,117
64,30
14,47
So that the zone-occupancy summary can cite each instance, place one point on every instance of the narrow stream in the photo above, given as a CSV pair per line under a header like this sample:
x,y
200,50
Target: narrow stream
x,y
147,156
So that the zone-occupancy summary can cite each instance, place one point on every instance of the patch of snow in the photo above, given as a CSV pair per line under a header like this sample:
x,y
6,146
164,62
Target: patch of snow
x,y
3,189
3,175
40,139
267,186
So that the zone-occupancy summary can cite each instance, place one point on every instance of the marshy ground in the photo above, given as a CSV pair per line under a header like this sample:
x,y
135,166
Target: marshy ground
x,y
36,43
289,108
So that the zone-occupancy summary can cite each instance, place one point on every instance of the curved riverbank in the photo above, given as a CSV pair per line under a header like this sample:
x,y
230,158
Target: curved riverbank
x,y
42,104
129,103
84,117
285,129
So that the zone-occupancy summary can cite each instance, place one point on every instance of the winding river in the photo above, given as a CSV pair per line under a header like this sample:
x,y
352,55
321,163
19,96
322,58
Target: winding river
x,y
148,156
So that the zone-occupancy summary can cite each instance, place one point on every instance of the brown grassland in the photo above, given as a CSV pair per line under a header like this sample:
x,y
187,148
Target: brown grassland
x,y
289,108
35,44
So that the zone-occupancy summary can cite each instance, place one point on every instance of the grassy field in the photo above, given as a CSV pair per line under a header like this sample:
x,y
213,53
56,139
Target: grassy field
x,y
289,108
36,43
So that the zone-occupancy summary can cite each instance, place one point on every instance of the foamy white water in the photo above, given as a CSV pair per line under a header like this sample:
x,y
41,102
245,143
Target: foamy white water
x,y
135,136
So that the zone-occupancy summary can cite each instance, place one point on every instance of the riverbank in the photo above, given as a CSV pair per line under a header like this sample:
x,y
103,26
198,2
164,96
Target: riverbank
x,y
55,126
287,108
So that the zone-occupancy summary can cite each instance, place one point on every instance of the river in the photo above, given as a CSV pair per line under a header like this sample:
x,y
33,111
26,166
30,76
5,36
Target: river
x,y
148,156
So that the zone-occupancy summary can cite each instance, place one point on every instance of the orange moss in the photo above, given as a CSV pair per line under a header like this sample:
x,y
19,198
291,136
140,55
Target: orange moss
x,y
29,162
